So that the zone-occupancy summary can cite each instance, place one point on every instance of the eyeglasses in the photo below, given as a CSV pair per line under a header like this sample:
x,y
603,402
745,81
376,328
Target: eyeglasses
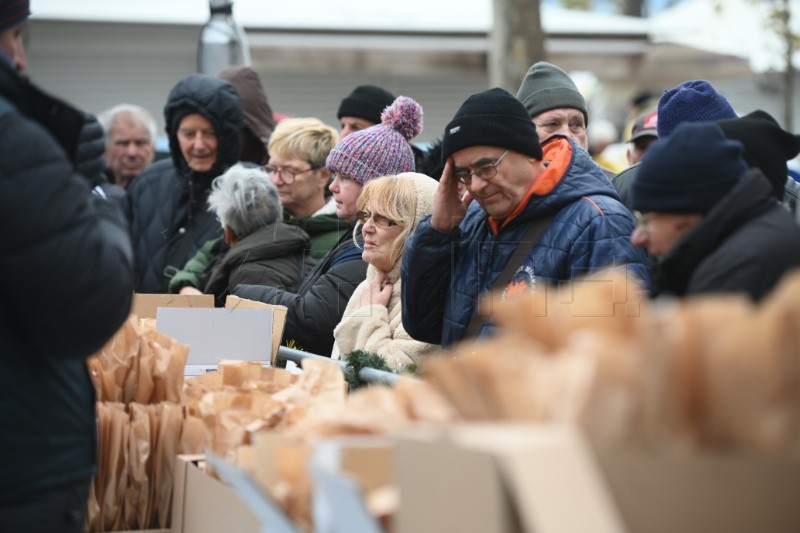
x,y
286,174
484,172
379,220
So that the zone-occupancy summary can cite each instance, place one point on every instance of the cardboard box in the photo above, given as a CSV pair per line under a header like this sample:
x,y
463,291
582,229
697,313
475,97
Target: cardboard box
x,y
544,479
343,470
147,305
203,504
493,478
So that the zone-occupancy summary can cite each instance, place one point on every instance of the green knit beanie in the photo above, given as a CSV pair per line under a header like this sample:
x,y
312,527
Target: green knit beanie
x,y
547,87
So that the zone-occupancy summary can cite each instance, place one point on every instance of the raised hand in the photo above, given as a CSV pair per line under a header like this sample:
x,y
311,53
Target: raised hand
x,y
449,204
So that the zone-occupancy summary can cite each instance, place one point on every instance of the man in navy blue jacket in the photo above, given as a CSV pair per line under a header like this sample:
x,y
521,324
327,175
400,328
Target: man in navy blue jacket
x,y
457,254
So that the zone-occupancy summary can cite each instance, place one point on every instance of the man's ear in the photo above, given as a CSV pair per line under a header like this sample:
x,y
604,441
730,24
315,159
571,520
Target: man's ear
x,y
230,238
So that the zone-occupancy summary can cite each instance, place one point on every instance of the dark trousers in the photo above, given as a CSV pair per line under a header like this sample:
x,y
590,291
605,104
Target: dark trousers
x,y
57,510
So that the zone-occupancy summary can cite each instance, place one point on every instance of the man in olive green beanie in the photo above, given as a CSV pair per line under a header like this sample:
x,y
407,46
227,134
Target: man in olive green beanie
x,y
554,103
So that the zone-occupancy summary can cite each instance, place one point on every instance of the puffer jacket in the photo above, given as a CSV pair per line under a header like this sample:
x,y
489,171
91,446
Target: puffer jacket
x,y
167,205
66,279
320,301
445,274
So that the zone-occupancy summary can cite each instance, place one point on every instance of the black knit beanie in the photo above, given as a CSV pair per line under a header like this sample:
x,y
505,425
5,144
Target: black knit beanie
x,y
547,87
367,102
767,146
491,118
689,171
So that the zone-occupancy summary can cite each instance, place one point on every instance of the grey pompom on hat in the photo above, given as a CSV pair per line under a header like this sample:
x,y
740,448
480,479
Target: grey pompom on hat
x,y
547,87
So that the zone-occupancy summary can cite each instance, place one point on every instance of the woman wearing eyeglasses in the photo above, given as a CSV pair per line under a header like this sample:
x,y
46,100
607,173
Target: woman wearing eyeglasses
x,y
317,307
388,211
297,152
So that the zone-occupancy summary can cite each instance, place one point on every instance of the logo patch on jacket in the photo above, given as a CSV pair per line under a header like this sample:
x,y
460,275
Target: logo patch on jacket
x,y
523,280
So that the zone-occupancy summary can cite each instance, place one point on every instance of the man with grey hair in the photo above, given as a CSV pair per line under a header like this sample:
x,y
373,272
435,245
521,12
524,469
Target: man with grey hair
x,y
130,133
257,247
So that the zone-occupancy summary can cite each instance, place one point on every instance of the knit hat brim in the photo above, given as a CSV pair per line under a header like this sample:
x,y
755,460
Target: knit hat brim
x,y
689,171
502,131
491,118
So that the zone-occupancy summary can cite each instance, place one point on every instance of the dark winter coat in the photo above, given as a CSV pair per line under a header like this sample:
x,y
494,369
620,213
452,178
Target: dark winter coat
x,y
167,203
445,274
746,243
319,303
66,274
273,255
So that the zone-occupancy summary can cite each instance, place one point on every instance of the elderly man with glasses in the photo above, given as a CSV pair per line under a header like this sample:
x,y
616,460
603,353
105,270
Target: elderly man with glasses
x,y
541,214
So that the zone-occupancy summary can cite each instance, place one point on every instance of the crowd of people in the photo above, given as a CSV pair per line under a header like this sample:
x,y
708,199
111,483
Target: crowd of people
x,y
370,242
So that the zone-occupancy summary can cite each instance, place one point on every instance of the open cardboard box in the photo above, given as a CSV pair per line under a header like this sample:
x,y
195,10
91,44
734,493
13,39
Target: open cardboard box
x,y
203,504
147,306
546,479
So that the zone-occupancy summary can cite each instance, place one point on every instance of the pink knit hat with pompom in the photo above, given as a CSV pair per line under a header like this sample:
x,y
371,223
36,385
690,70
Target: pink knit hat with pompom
x,y
383,149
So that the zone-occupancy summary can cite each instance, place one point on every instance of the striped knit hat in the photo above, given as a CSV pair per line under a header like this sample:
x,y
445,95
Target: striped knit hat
x,y
12,12
383,149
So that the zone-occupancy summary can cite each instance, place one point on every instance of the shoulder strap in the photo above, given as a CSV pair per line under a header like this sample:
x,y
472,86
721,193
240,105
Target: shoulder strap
x,y
6,107
521,252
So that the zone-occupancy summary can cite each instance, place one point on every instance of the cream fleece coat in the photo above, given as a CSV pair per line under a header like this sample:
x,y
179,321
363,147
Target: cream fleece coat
x,y
376,328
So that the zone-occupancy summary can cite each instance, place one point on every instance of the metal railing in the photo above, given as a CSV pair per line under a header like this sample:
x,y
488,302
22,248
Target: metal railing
x,y
366,374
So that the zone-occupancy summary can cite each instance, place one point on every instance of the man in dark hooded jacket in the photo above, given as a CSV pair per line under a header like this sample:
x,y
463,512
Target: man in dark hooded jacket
x,y
712,224
167,202
67,277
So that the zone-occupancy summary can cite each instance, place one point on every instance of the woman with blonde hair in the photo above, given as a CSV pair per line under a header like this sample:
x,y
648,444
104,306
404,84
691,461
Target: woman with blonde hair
x,y
389,209
298,149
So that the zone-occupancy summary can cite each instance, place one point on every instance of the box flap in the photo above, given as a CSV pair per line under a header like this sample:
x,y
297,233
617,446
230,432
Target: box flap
x,y
215,334
338,503
203,504
271,517
444,487
730,492
556,485
146,305
278,320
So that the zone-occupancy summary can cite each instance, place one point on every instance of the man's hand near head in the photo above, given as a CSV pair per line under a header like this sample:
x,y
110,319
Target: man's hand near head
x,y
449,205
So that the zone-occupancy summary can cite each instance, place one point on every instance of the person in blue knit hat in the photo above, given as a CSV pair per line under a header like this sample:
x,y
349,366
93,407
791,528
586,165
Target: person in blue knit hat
x,y
691,101
708,219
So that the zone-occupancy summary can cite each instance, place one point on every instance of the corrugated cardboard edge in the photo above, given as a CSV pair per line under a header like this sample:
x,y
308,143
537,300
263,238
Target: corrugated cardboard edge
x,y
146,305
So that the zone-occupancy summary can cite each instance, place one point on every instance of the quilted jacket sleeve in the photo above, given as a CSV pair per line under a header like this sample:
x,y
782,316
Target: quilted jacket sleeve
x,y
66,266
425,275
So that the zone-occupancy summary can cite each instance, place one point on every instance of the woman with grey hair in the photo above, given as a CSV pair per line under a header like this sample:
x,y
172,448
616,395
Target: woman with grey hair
x,y
263,249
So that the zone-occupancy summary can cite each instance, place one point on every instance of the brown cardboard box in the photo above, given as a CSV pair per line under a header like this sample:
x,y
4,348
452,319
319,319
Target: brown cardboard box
x,y
147,305
544,479
203,504
500,478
